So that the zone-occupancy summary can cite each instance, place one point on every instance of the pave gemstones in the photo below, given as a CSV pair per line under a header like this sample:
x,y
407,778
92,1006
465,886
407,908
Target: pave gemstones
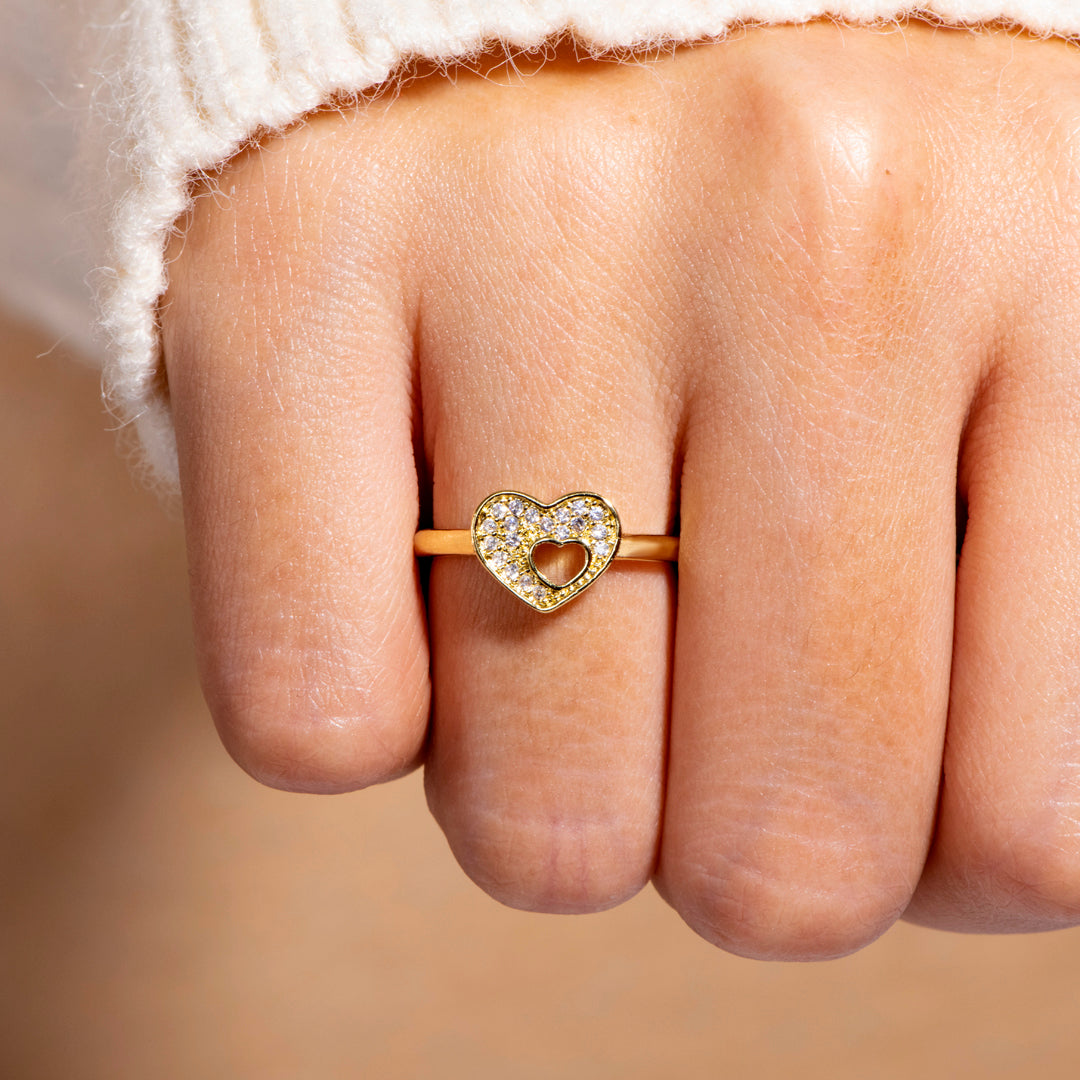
x,y
519,524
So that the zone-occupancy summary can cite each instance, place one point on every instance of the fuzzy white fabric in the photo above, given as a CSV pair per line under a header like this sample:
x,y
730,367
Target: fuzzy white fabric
x,y
170,87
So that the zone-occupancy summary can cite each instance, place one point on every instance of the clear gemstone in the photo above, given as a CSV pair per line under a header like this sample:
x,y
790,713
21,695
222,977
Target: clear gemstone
x,y
491,543
511,524
598,532
527,583
498,511
601,548
563,514
577,525
562,533
499,558
597,513
489,526
516,506
511,573
578,506
532,515
547,525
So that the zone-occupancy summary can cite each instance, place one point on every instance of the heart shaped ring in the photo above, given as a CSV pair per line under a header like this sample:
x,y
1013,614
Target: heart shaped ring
x,y
509,526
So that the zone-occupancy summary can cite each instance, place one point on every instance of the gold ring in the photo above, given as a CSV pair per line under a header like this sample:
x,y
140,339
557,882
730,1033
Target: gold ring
x,y
508,527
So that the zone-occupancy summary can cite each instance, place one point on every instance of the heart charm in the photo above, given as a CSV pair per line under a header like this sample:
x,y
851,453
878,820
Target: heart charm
x,y
508,526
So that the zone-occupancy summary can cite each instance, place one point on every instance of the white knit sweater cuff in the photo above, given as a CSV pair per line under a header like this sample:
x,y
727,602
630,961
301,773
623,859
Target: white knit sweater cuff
x,y
195,79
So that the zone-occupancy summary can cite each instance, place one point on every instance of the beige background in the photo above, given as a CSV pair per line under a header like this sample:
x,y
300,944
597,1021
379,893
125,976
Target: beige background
x,y
164,917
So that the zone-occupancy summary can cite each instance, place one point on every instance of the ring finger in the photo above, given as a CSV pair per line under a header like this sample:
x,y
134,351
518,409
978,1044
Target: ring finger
x,y
546,761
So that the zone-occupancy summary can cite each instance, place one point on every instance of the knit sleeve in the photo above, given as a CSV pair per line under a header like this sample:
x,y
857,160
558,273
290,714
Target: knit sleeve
x,y
165,88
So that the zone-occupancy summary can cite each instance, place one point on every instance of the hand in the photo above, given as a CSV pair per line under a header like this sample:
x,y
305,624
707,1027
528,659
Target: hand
x,y
789,294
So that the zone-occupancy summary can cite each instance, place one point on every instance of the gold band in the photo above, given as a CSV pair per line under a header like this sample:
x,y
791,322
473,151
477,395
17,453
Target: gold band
x,y
460,542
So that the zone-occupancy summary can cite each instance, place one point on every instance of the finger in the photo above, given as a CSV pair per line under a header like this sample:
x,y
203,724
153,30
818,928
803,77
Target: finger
x,y
1006,856
1007,853
816,560
811,684
289,366
546,760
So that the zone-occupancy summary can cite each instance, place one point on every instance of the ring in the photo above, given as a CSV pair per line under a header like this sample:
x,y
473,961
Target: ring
x,y
508,527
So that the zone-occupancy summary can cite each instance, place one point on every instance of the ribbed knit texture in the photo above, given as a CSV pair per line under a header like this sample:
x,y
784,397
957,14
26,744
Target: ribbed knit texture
x,y
188,82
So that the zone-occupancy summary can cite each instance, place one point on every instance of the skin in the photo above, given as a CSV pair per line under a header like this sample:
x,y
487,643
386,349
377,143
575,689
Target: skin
x,y
798,295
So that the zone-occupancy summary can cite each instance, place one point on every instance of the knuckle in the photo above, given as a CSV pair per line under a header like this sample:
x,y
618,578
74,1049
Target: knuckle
x,y
291,730
836,179
764,913
1052,209
842,153
557,180
555,866
1033,875
1040,120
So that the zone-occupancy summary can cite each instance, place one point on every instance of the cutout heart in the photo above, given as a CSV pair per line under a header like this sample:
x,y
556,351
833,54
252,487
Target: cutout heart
x,y
508,527
559,565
